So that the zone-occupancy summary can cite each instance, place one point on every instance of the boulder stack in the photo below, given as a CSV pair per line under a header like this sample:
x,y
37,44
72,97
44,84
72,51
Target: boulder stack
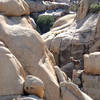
x,y
12,75
14,7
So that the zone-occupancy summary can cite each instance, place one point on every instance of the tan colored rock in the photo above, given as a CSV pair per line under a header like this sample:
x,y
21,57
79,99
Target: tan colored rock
x,y
14,7
11,73
27,45
92,63
34,85
96,46
65,41
91,85
37,6
98,28
55,5
67,19
60,75
76,77
70,91
83,10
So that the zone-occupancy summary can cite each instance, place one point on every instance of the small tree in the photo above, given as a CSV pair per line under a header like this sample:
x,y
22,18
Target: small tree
x,y
94,8
44,23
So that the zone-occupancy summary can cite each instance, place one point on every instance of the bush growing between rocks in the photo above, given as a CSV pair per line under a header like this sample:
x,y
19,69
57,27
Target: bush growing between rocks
x,y
94,8
44,23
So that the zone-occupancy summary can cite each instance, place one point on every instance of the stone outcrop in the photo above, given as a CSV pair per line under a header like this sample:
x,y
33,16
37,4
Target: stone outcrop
x,y
36,5
14,7
11,73
67,19
34,85
70,91
27,45
40,6
92,63
84,8
91,85
96,46
72,39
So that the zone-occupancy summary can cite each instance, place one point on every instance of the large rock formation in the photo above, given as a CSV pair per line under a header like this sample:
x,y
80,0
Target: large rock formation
x,y
69,91
67,19
36,5
84,8
96,46
72,39
33,85
14,7
91,85
27,45
92,63
11,73
40,6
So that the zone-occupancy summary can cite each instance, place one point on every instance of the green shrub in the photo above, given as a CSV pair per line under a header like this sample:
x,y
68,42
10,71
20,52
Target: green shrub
x,y
44,23
94,8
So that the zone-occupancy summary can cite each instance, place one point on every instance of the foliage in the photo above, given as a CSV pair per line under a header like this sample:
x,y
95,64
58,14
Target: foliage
x,y
44,23
94,8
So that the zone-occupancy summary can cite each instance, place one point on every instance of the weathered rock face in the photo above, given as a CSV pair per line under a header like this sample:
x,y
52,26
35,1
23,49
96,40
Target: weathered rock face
x,y
27,45
72,39
70,91
75,37
68,69
84,8
14,7
40,6
64,20
36,5
34,85
11,73
91,85
96,46
92,63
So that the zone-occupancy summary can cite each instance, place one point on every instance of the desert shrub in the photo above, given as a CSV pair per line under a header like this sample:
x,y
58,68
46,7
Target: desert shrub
x,y
44,23
94,8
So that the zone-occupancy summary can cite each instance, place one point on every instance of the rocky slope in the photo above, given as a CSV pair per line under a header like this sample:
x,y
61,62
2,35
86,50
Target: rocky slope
x,y
73,37
27,67
76,36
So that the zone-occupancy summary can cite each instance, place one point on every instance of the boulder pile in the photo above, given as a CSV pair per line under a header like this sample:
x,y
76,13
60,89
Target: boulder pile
x,y
78,36
91,75
27,67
